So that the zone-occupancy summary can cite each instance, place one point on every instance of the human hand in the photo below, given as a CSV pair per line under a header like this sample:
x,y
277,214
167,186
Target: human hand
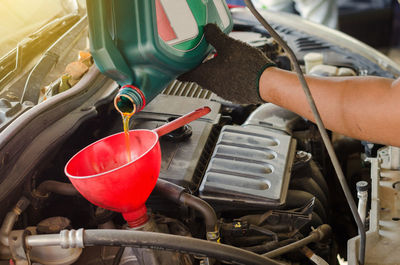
x,y
234,73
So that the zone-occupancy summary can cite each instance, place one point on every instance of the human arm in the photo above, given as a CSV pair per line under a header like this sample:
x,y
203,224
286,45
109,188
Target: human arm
x,y
360,107
364,108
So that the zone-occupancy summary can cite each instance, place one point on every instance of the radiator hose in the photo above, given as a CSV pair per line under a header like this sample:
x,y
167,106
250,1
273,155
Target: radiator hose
x,y
178,195
152,240
165,188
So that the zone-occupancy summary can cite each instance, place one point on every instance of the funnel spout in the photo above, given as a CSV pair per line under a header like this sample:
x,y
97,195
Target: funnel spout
x,y
137,217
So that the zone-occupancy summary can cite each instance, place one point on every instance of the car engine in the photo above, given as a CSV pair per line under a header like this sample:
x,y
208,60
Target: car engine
x,y
253,177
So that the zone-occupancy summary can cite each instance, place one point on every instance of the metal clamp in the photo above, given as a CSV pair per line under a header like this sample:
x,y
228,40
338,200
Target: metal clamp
x,y
71,238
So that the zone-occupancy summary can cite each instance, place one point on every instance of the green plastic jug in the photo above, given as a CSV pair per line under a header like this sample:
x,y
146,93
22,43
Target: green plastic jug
x,y
145,44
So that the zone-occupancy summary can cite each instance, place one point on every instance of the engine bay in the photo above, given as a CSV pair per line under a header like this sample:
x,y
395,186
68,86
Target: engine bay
x,y
254,177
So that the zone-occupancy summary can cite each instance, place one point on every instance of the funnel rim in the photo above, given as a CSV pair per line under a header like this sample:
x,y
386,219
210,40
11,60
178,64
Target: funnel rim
x,y
114,169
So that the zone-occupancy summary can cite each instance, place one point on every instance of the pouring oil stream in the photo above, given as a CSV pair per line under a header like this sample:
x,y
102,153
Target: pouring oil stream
x,y
126,115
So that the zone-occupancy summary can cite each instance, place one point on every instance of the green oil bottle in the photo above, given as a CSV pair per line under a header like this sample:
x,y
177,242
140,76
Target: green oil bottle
x,y
145,44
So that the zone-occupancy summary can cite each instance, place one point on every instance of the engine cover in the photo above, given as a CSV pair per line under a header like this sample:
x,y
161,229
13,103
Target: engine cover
x,y
249,166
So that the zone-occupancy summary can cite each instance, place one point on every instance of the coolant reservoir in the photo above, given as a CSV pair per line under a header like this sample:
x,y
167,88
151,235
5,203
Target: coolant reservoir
x,y
147,43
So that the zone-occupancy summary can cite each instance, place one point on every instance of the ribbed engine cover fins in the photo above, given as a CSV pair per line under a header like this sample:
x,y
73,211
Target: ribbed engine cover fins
x,y
249,166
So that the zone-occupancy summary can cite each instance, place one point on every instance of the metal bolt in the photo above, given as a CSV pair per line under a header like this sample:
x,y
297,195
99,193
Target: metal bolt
x,y
302,156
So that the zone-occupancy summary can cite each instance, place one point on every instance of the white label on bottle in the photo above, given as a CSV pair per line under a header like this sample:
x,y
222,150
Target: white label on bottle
x,y
181,20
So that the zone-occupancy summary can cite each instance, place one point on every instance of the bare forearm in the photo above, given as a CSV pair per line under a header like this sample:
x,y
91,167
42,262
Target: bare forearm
x,y
360,107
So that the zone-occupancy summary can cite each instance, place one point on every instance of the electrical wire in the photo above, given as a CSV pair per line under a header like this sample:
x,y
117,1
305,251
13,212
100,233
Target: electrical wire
x,y
321,128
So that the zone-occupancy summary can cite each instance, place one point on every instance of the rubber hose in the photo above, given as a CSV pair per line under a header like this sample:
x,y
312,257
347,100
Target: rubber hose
x,y
248,241
316,220
318,177
169,190
210,217
316,235
298,198
309,185
169,242
269,246
57,187
284,228
176,194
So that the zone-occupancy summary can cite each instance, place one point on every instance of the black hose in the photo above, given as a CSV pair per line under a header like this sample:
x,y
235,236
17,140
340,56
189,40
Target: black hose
x,y
247,241
169,190
298,198
169,242
303,172
51,186
269,246
309,185
318,177
316,220
264,231
296,245
210,217
178,195
321,128
316,235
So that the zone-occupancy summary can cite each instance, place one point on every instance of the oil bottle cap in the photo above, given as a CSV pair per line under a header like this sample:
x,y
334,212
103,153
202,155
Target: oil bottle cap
x,y
129,99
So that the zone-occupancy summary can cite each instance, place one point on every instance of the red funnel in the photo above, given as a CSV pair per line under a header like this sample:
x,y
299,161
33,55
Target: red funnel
x,y
102,174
